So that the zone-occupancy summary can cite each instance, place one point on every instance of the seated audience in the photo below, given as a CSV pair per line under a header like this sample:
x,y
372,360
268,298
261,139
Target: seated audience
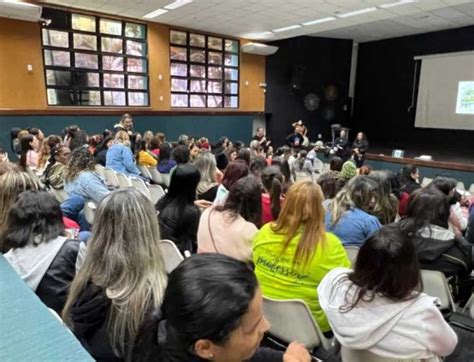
x,y
302,168
244,154
212,310
386,203
470,226
236,170
39,250
119,156
272,197
294,253
177,214
121,280
154,146
145,157
45,151
327,182
284,167
29,156
207,187
379,305
230,229
74,137
100,153
165,163
180,154
409,179
347,216
257,165
437,247
81,178
348,170
55,172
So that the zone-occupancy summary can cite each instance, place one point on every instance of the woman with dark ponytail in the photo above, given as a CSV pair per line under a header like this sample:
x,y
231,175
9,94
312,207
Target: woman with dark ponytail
x,y
272,181
55,172
211,311
29,156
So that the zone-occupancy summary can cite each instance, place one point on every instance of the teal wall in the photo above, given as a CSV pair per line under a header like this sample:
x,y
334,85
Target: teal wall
x,y
236,127
431,172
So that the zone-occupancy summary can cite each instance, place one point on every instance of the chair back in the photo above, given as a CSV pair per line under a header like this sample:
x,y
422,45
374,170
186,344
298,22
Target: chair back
x,y
460,186
426,181
123,180
89,211
352,252
99,169
355,355
171,255
140,185
144,171
471,189
436,285
155,175
469,307
291,320
156,193
111,177
166,177
60,194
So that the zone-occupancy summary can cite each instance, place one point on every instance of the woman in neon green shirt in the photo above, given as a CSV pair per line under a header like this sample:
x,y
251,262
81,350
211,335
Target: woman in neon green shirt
x,y
293,254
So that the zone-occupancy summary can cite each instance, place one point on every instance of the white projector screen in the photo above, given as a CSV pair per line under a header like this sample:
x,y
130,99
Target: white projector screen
x,y
446,92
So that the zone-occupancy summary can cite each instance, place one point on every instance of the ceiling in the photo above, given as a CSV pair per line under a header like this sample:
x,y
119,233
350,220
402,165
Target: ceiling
x,y
251,18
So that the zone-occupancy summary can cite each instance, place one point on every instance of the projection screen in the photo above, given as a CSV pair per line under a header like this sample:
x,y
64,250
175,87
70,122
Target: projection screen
x,y
446,91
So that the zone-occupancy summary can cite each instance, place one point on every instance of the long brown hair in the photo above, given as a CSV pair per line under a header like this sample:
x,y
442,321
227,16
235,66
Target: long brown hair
x,y
302,209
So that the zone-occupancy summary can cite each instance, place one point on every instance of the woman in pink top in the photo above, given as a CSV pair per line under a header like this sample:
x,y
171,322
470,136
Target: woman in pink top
x,y
229,229
272,181
29,146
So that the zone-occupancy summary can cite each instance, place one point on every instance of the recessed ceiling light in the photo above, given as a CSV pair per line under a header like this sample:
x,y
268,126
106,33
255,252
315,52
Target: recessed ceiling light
x,y
398,3
155,13
263,34
319,21
17,2
357,12
177,4
286,28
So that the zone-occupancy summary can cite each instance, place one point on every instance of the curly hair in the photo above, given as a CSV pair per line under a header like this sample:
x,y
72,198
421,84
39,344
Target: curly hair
x,y
81,160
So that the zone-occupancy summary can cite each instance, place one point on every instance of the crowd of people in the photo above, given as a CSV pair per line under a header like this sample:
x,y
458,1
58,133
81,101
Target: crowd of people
x,y
257,222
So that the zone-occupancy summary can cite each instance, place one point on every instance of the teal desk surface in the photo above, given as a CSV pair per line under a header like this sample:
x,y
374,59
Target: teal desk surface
x,y
28,330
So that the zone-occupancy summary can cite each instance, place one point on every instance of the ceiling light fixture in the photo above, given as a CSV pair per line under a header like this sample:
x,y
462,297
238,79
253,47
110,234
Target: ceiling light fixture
x,y
357,12
398,3
286,28
263,34
155,14
319,21
177,4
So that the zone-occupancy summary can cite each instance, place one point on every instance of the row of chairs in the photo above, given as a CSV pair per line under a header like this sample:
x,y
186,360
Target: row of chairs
x,y
460,185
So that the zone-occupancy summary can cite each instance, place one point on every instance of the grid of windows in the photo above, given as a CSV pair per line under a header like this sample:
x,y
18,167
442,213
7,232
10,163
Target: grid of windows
x,y
204,70
94,61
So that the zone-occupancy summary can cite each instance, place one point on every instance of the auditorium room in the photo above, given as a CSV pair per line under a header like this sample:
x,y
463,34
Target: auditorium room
x,y
237,180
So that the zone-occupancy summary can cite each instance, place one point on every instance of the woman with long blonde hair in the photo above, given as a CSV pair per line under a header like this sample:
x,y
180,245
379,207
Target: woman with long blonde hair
x,y
122,278
294,253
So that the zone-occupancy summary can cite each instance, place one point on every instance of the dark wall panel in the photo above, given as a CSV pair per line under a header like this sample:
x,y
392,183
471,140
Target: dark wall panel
x,y
306,65
384,86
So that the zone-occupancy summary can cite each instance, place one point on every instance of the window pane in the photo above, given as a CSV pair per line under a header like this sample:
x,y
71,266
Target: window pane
x,y
58,77
57,58
137,82
214,101
135,30
112,45
231,88
198,71
178,37
198,86
110,62
231,59
214,72
113,98
86,79
231,46
179,85
231,74
214,58
179,69
88,98
136,48
55,38
198,56
177,53
86,61
179,100
214,43
214,87
114,80
59,97
231,102
197,40
83,41
110,27
136,65
198,100
137,99
83,22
